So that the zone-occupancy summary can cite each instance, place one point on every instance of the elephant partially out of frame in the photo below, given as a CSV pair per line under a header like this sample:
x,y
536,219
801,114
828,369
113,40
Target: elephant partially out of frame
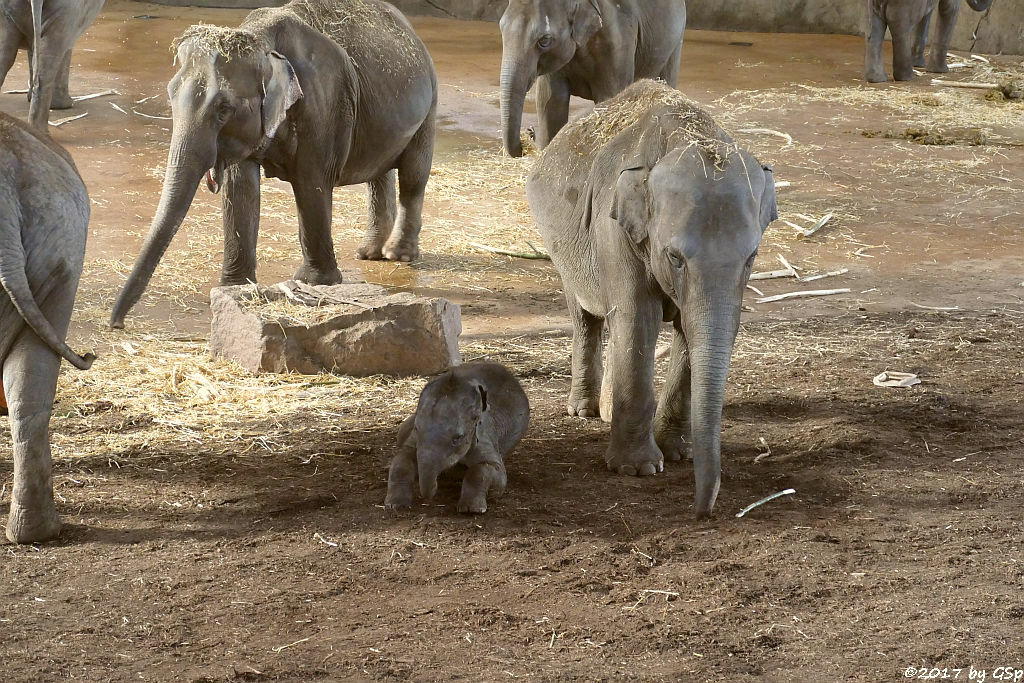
x,y
48,29
44,217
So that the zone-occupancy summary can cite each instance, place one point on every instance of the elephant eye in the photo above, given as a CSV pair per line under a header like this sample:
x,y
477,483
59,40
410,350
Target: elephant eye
x,y
224,111
675,259
457,439
544,42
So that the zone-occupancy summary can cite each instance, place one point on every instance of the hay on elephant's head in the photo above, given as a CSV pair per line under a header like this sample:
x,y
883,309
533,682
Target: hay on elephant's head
x,y
229,42
334,18
684,123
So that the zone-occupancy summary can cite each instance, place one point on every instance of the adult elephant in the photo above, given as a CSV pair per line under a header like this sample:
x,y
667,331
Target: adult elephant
x,y
44,218
908,22
320,93
651,213
587,48
48,29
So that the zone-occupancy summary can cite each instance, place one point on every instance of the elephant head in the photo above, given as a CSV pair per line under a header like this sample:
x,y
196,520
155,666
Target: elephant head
x,y
538,37
699,225
447,417
228,99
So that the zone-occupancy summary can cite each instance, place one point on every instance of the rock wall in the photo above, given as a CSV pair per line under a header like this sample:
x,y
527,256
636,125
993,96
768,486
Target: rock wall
x,y
1001,29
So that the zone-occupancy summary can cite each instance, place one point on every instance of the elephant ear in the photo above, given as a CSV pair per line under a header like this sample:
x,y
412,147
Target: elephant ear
x,y
631,205
586,21
769,205
280,92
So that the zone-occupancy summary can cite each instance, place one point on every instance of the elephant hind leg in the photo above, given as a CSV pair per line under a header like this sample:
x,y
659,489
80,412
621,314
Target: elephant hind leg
x,y
30,373
670,74
380,197
9,42
874,65
413,174
61,90
586,360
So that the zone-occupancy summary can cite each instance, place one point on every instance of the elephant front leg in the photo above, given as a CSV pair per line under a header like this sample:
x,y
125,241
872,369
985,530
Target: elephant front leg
x,y
874,66
313,199
61,90
401,478
380,196
41,89
586,360
241,205
482,476
30,378
634,334
552,107
672,420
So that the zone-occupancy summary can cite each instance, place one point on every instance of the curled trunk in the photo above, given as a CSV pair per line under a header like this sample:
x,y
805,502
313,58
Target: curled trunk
x,y
184,172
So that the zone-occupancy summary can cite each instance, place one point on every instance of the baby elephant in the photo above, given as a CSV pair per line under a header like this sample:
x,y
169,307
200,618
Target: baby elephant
x,y
474,414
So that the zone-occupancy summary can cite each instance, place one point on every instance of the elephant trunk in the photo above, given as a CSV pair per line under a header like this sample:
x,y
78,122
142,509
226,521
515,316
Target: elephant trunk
x,y
516,80
711,327
979,5
428,470
185,169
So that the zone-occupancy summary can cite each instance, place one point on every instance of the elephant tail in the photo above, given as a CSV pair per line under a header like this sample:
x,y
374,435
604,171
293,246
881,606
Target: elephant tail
x,y
37,30
14,279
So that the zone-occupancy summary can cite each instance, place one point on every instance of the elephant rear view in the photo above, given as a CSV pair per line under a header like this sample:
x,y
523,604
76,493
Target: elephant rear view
x,y
48,29
44,217
588,48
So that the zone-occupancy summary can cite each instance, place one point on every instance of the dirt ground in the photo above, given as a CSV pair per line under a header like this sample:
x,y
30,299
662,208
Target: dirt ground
x,y
220,526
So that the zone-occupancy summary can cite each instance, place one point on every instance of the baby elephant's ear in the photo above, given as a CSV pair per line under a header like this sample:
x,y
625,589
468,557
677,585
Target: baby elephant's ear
x,y
631,205
586,21
280,92
769,205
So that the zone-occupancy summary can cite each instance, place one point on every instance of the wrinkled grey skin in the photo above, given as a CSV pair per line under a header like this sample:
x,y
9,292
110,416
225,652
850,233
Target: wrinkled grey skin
x,y
44,216
908,21
475,415
587,48
311,111
60,24
641,233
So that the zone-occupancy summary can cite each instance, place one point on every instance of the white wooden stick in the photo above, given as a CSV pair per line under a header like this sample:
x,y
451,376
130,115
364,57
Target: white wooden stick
x,y
797,295
964,84
768,131
60,122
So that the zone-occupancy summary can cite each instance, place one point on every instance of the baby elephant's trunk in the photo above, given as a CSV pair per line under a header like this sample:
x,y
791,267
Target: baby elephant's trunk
x,y
428,473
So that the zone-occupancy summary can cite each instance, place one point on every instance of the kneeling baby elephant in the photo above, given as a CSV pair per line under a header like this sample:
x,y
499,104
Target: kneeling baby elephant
x,y
44,217
475,415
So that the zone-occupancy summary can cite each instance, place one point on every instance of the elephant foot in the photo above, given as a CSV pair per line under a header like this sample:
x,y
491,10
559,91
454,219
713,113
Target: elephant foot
x,y
232,280
903,75
32,526
473,501
61,102
937,68
672,445
402,251
370,251
637,461
312,276
875,77
581,405
398,500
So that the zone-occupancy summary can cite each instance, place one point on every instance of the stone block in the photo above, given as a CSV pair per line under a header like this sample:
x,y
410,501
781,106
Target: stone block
x,y
353,328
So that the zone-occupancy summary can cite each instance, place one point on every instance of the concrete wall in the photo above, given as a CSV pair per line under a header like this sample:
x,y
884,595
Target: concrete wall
x,y
1001,29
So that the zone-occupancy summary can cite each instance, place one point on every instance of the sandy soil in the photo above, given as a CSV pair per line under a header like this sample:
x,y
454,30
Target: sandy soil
x,y
208,541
